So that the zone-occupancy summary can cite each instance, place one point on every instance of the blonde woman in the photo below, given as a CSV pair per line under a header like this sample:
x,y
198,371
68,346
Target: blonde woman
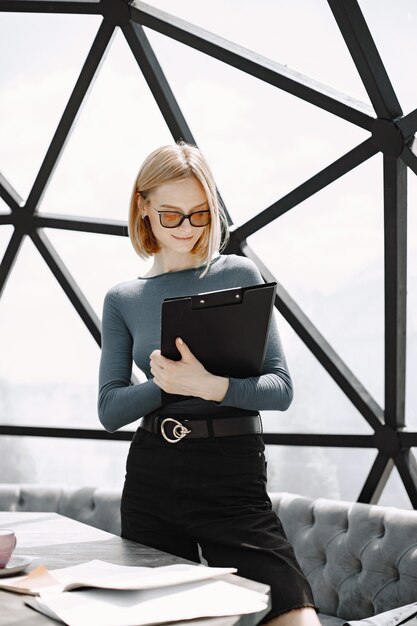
x,y
200,479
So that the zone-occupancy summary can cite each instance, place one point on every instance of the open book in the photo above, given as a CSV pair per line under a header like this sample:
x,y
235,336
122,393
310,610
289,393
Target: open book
x,y
104,575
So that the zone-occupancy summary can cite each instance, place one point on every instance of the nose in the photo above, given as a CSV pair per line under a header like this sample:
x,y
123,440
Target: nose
x,y
185,228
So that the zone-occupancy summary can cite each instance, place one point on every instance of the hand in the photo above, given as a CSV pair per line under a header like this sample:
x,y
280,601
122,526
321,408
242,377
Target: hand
x,y
187,377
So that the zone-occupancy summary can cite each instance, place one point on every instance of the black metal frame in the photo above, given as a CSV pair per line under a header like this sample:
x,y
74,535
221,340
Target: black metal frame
x,y
390,133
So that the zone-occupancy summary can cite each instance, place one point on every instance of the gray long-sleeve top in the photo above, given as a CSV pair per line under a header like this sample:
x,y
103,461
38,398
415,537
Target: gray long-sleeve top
x,y
131,330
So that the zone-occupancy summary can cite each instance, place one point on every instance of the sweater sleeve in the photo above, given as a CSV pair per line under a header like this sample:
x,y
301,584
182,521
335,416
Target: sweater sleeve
x,y
120,402
273,389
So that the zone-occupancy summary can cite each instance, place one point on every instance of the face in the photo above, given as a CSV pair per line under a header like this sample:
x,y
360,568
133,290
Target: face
x,y
184,196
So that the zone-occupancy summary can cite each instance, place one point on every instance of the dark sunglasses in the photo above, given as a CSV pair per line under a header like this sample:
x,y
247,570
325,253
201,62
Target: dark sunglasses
x,y
173,219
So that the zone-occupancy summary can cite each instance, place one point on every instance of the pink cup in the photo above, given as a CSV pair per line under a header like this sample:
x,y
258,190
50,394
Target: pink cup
x,y
7,545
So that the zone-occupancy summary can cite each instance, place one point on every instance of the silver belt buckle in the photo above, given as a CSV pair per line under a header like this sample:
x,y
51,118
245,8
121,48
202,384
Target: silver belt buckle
x,y
179,431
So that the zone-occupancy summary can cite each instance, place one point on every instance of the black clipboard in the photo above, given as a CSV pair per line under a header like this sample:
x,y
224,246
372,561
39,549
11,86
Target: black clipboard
x,y
226,330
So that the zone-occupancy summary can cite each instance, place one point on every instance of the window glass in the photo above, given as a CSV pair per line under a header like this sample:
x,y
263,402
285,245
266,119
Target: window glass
x,y
394,493
42,57
77,462
4,208
393,29
49,364
118,126
6,232
260,141
319,405
301,35
97,262
336,473
328,254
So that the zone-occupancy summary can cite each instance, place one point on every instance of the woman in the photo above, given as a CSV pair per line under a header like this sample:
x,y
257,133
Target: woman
x,y
209,489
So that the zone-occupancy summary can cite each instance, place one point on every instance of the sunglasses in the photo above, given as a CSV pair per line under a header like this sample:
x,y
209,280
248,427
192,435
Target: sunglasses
x,y
173,219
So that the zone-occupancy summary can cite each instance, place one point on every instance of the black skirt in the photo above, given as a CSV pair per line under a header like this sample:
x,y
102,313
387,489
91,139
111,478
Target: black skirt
x,y
212,492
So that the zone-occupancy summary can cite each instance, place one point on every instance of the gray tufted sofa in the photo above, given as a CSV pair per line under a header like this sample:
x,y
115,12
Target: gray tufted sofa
x,y
97,507
360,559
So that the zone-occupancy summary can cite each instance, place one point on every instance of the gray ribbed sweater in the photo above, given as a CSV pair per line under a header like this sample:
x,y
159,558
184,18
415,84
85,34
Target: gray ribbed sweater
x,y
131,329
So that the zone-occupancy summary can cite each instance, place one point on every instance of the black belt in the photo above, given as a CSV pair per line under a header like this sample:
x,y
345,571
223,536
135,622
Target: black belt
x,y
175,427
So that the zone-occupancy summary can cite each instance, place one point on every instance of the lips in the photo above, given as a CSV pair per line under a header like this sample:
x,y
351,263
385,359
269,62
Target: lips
x,y
182,238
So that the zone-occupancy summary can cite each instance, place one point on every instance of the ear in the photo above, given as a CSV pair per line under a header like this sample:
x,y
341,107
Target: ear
x,y
140,202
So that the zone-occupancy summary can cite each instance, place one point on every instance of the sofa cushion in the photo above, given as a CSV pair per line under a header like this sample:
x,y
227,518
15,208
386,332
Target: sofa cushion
x,y
360,559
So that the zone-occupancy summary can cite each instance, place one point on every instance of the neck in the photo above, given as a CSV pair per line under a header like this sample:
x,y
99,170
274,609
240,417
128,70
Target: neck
x,y
163,263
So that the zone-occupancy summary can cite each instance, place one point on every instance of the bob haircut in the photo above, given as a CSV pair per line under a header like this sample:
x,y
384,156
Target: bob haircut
x,y
166,164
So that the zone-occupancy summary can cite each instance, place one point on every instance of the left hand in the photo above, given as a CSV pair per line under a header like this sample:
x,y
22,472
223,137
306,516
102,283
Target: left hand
x,y
187,377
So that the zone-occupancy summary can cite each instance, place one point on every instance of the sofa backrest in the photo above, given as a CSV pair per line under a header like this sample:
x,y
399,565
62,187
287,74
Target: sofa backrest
x,y
97,507
360,559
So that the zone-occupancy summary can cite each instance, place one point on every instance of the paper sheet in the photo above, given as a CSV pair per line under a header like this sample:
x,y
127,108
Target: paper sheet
x,y
106,575
394,617
135,608
39,579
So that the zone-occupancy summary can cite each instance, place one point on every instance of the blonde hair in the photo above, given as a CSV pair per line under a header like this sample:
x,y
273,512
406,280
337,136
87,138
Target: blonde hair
x,y
171,163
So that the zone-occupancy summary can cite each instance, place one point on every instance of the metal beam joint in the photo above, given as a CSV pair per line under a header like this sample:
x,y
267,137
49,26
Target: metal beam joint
x,y
116,12
387,137
23,220
387,441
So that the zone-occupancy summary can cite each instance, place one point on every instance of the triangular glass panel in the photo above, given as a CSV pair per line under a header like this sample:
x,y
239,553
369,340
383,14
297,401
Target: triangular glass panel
x,y
317,472
43,56
100,262
55,382
281,35
17,464
328,253
394,33
119,125
4,208
260,141
35,460
319,405
394,493
411,349
6,231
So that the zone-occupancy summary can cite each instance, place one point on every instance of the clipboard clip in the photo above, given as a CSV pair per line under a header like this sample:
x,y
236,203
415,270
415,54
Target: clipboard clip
x,y
221,297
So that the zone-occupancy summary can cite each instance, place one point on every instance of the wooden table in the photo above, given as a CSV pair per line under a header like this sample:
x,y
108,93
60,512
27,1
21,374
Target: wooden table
x,y
57,541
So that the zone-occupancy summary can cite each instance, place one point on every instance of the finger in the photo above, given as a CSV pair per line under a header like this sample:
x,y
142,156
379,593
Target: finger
x,y
156,381
184,350
156,369
159,361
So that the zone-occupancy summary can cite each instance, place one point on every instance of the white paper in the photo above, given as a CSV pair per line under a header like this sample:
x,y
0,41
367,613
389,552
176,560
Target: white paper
x,y
135,608
106,575
394,617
